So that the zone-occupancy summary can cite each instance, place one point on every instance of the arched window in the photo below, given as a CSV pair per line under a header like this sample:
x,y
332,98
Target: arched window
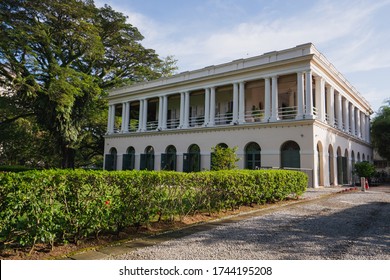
x,y
290,155
320,166
331,165
252,156
110,160
191,160
223,145
353,161
340,170
147,159
168,159
346,167
129,159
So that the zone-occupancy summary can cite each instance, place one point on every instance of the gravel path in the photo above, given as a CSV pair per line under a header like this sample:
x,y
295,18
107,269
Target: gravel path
x,y
351,225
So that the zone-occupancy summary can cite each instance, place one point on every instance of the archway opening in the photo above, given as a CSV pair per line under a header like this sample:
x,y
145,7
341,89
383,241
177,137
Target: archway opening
x,y
290,155
252,156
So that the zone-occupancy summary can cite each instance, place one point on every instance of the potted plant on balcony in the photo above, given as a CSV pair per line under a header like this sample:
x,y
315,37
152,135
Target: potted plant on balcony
x,y
257,114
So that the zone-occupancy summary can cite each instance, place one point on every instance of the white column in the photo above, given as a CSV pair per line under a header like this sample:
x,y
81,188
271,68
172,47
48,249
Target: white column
x,y
182,109
206,106
346,115
300,97
160,111
331,105
353,124
235,103
141,115
186,109
165,112
309,96
358,124
274,101
241,106
267,101
339,111
363,125
320,98
111,119
125,116
145,115
212,106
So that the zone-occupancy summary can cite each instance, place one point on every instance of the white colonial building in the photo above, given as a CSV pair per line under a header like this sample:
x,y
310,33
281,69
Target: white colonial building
x,y
282,109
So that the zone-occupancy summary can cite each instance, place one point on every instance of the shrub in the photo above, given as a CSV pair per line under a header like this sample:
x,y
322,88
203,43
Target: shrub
x,y
68,205
223,158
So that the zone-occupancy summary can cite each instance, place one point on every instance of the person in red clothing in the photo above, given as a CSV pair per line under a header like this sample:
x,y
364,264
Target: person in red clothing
x,y
366,186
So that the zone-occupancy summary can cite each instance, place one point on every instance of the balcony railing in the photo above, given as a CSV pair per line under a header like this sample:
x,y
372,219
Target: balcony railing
x,y
196,121
173,123
223,119
254,116
251,116
288,113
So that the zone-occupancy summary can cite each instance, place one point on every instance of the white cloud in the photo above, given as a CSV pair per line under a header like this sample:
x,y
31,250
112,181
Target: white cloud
x,y
343,30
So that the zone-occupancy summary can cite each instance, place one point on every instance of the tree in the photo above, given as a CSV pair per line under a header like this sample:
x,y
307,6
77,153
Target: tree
x,y
380,131
57,59
364,169
223,158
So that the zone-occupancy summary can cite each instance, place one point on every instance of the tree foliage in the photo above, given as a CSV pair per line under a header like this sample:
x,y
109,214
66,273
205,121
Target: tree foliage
x,y
364,169
223,158
380,131
57,58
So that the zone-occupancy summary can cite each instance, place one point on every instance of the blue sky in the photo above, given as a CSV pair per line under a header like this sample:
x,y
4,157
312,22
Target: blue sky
x,y
353,35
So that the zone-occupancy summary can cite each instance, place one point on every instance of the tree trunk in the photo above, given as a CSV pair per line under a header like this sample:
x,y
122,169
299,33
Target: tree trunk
x,y
68,157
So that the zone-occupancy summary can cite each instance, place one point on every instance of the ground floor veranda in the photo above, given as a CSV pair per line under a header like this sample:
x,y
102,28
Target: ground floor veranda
x,y
326,154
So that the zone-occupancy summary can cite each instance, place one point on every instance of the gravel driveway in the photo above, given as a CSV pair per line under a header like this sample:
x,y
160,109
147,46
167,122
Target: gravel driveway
x,y
351,225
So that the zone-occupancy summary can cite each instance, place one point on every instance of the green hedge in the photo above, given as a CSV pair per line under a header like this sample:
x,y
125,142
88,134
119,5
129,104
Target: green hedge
x,y
68,205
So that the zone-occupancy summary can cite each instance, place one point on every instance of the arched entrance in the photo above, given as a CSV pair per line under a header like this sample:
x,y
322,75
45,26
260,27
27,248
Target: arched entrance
x,y
110,160
331,165
147,159
346,168
252,156
128,162
320,165
191,160
168,160
290,155
339,167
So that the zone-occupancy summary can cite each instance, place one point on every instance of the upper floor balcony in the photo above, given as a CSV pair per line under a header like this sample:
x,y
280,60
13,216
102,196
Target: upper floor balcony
x,y
279,98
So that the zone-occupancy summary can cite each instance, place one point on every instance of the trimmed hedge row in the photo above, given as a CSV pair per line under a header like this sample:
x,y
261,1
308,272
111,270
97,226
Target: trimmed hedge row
x,y
68,205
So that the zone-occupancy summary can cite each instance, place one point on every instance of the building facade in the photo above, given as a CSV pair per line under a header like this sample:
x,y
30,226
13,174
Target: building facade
x,y
282,109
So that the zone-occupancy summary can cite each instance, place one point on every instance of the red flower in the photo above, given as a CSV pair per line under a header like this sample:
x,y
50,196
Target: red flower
x,y
107,202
